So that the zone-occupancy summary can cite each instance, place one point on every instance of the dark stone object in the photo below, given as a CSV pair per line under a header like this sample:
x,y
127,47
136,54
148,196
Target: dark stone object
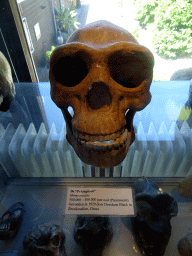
x,y
151,226
185,245
11,220
182,75
93,234
44,240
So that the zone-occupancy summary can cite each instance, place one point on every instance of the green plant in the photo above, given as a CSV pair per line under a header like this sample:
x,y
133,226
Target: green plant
x,y
145,11
66,19
172,25
48,53
184,113
120,3
172,32
135,31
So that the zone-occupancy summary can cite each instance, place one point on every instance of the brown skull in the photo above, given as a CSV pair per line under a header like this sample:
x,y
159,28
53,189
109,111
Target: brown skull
x,y
104,75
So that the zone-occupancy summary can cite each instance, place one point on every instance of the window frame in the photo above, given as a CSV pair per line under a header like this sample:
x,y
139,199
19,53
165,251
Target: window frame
x,y
16,42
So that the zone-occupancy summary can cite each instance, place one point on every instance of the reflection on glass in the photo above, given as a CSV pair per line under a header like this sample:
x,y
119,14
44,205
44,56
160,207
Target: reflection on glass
x,y
165,37
27,33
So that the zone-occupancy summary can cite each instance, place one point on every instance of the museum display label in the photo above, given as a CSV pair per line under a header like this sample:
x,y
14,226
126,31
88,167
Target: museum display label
x,y
100,201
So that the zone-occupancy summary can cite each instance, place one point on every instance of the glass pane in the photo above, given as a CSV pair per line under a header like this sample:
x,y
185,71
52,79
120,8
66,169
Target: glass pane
x,y
35,127
50,23
47,24
33,137
37,142
6,53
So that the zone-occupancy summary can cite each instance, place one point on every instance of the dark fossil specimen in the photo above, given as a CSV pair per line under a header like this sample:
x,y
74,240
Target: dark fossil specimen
x,y
151,226
44,240
185,187
185,245
11,220
93,234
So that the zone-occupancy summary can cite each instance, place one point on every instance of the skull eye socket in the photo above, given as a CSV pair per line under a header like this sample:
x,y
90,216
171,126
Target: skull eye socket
x,y
71,70
55,240
128,69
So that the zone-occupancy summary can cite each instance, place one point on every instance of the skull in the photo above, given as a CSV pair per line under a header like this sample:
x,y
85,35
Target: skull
x,y
104,75
44,240
7,88
152,225
92,234
185,245
11,220
185,187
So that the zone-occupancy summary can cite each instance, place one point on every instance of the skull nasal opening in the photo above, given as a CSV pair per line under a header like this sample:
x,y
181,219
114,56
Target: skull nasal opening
x,y
99,95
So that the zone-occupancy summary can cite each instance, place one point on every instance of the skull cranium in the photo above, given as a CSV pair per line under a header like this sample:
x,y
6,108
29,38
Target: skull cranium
x,y
44,239
104,75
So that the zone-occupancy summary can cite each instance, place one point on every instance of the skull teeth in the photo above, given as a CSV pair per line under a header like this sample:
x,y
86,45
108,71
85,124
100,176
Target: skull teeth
x,y
103,142
98,138
110,144
107,142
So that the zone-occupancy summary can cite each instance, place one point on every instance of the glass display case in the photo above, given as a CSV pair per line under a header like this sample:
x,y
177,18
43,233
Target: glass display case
x,y
33,134
38,165
53,203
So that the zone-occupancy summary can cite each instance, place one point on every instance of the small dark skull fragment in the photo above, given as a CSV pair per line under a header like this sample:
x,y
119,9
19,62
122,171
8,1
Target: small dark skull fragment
x,y
185,245
7,87
152,225
93,234
185,187
11,220
44,240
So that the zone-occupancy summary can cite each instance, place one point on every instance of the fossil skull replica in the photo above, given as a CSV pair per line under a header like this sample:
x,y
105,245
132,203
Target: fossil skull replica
x,y
10,222
93,234
185,187
104,75
151,226
44,240
7,88
185,245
